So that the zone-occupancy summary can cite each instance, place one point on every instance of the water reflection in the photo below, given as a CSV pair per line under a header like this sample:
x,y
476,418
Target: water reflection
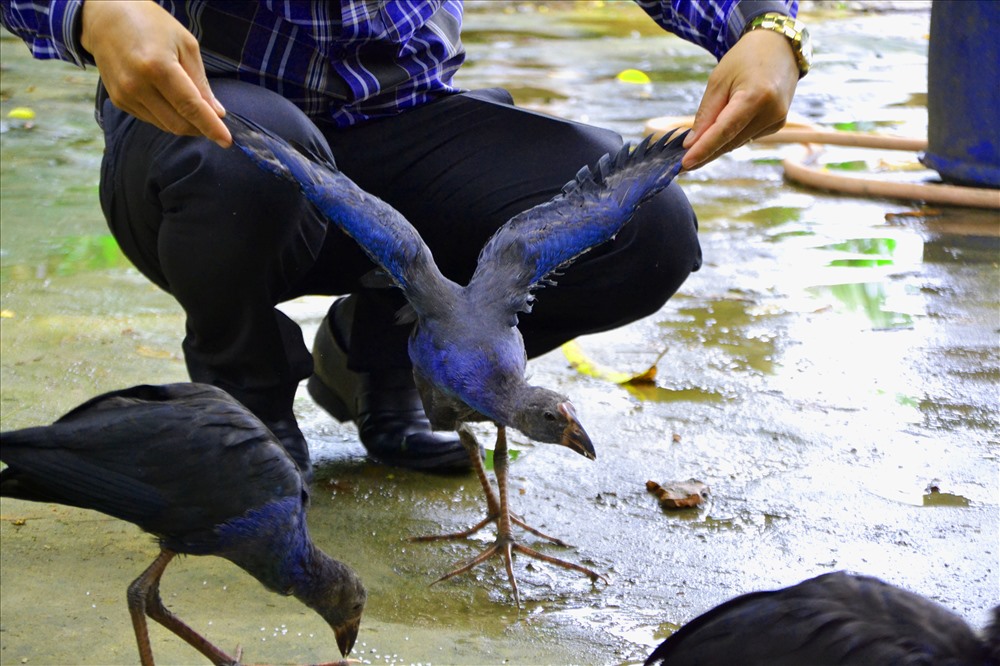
x,y
735,326
69,256
867,299
771,216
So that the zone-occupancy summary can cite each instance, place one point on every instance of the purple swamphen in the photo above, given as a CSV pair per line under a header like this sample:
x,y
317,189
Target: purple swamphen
x,y
836,619
192,466
468,355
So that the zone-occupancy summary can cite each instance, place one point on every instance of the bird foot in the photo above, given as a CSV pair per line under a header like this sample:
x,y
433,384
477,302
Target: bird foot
x,y
454,535
505,547
498,511
464,534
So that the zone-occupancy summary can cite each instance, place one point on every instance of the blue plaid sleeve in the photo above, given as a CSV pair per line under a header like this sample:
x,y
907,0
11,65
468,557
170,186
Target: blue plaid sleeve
x,y
712,24
50,28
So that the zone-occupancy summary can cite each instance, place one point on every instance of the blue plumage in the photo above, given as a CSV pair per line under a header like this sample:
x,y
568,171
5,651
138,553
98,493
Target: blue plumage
x,y
381,231
467,352
191,465
468,356
592,209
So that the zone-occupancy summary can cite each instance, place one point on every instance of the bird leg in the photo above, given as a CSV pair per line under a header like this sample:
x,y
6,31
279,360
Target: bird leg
x,y
498,511
144,599
468,439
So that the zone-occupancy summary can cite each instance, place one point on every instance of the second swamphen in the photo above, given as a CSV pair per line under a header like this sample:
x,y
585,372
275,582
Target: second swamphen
x,y
468,356
192,466
836,619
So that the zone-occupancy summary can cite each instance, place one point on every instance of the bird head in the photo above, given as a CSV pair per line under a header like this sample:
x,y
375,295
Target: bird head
x,y
547,416
338,595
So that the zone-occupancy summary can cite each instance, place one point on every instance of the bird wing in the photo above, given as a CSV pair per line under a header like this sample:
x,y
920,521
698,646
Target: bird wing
x,y
183,392
173,459
382,232
834,618
590,210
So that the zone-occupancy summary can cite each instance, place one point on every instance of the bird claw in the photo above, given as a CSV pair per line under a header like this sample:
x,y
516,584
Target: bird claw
x,y
454,535
505,547
483,523
498,511
528,528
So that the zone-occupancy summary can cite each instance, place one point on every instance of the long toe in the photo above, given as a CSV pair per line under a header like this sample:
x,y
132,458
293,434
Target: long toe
x,y
530,552
504,547
464,534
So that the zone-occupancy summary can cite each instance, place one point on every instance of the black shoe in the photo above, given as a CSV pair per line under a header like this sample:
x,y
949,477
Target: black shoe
x,y
287,431
385,405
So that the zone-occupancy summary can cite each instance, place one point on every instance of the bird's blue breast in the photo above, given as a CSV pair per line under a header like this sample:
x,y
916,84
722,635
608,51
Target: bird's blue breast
x,y
470,369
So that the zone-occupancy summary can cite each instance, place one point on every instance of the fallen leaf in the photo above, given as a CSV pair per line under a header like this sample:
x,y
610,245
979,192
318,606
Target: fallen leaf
x,y
579,362
679,494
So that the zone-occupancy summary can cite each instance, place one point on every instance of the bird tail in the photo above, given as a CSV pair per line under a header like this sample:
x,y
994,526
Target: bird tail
x,y
13,445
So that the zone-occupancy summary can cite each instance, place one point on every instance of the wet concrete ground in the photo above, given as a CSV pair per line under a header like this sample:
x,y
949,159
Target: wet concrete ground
x,y
824,369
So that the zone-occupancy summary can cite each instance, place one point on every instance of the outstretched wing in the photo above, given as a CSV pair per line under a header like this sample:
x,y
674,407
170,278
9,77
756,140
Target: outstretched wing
x,y
381,231
590,210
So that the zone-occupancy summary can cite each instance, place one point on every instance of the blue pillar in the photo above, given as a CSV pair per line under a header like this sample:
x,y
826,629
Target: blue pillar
x,y
963,92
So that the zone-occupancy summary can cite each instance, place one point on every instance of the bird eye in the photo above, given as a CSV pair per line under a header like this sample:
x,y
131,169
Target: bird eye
x,y
549,416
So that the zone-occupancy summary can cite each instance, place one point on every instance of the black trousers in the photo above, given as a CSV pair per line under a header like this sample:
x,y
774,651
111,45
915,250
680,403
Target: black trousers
x,y
229,241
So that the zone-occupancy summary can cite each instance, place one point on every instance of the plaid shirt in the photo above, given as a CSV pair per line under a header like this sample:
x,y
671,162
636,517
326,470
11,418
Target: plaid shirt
x,y
351,61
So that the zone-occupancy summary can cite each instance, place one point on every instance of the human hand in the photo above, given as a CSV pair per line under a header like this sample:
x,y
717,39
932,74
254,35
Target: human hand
x,y
748,95
151,67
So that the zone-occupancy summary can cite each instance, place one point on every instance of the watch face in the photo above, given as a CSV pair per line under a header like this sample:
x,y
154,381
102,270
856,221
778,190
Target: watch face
x,y
806,45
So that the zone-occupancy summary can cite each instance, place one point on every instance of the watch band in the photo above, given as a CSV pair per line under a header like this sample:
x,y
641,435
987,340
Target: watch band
x,y
794,30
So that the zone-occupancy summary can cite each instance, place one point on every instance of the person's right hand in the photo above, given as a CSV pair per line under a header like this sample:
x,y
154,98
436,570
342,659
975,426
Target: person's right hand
x,y
151,67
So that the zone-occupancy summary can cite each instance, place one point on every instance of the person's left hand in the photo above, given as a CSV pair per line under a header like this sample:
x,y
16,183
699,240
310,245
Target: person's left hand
x,y
748,95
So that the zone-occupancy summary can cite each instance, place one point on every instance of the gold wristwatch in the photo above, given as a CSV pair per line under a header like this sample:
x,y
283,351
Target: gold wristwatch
x,y
791,28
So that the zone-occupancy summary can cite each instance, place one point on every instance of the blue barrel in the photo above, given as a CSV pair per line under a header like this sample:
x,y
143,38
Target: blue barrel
x,y
963,92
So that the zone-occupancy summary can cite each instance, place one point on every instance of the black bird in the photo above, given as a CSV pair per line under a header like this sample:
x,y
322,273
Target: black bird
x,y
192,466
837,619
467,352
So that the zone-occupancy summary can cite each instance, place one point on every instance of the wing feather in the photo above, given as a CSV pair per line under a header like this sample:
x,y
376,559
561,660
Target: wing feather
x,y
591,209
381,231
